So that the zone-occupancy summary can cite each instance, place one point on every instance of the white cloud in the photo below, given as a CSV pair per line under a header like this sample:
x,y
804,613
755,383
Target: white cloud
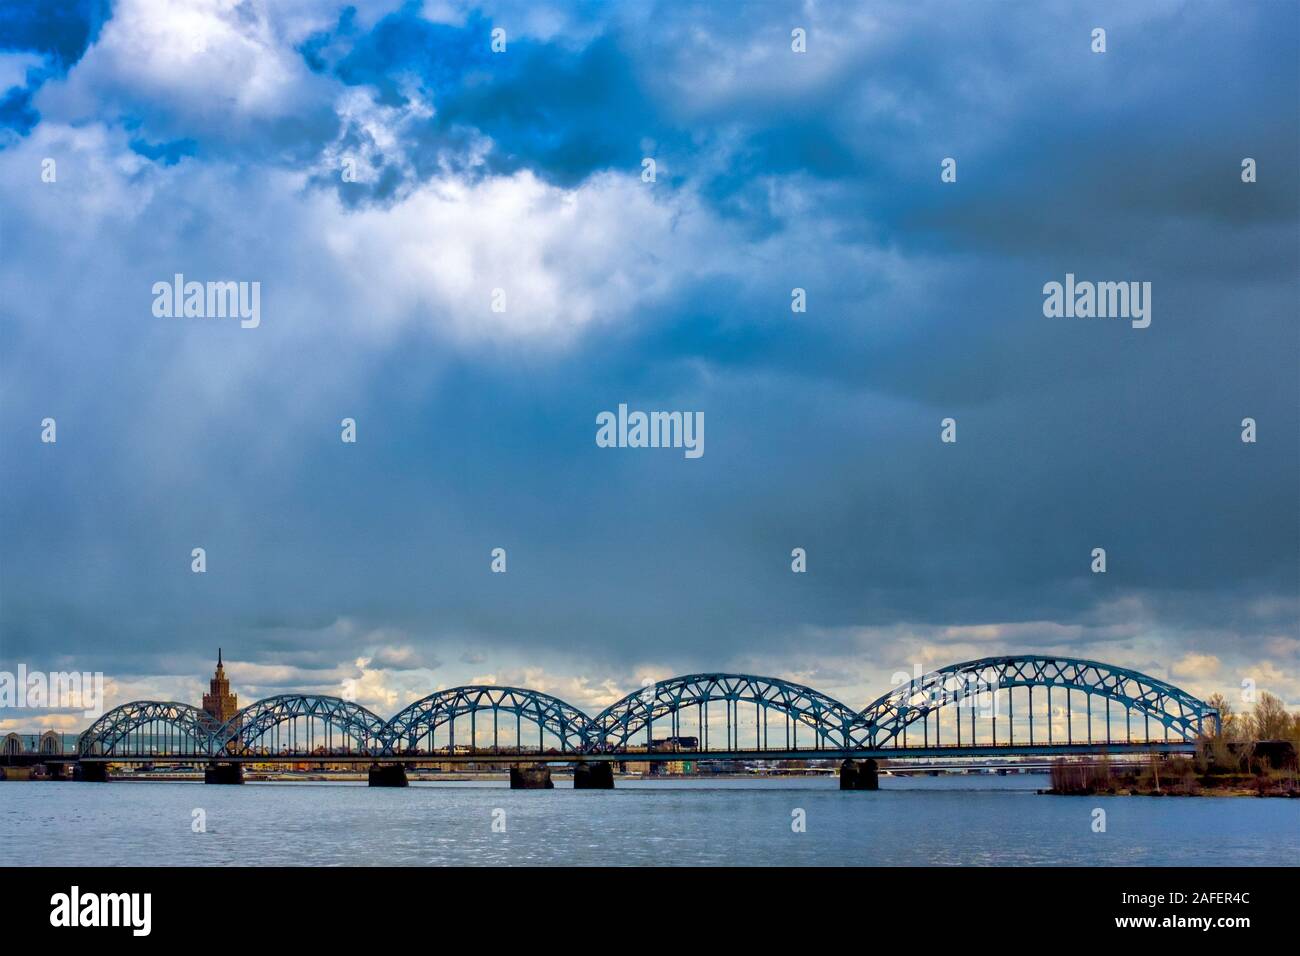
x,y
564,258
1196,665
14,67
197,65
588,695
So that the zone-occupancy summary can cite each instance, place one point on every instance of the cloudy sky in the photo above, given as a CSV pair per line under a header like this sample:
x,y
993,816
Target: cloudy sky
x,y
210,137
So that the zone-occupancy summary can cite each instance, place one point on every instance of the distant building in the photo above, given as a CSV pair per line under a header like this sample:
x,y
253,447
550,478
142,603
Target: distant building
x,y
219,703
669,745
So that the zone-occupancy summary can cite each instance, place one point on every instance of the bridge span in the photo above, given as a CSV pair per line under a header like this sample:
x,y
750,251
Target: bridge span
x,y
1011,706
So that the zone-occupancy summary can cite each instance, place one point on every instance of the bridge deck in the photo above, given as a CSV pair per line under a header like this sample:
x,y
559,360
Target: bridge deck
x,y
512,756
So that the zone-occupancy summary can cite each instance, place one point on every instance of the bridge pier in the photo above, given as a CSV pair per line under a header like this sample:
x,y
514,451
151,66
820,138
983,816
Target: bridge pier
x,y
531,777
388,775
593,776
224,773
91,772
859,775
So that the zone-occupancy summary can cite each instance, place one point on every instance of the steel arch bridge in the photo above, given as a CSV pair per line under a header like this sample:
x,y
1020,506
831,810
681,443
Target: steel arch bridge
x,y
156,727
732,716
833,725
313,720
890,716
420,720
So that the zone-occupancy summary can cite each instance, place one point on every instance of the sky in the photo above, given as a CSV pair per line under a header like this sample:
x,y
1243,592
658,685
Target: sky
x,y
210,138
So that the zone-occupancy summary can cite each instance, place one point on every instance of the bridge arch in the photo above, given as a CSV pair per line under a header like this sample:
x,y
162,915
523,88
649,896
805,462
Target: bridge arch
x,y
415,729
51,744
973,683
141,727
301,723
682,704
13,745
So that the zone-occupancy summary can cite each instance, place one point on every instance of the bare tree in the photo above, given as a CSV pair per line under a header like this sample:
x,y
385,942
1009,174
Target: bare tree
x,y
1230,722
1271,721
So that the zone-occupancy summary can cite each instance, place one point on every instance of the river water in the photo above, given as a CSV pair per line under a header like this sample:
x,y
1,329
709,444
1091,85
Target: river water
x,y
957,820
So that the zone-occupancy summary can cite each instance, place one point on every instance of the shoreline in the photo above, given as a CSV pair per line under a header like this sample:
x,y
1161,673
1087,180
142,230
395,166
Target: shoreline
x,y
1212,792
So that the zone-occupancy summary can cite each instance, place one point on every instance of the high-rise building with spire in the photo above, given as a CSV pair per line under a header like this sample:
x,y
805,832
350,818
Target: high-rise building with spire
x,y
219,703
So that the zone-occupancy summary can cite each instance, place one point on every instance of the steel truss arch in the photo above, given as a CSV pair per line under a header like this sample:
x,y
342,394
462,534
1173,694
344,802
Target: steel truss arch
x,y
1174,708
240,734
835,725
191,726
568,724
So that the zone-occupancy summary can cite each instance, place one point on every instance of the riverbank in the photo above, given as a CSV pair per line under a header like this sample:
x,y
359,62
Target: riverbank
x,y
1177,777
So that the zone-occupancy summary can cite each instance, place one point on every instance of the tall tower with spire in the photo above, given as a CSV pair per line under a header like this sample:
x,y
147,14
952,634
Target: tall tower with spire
x,y
219,703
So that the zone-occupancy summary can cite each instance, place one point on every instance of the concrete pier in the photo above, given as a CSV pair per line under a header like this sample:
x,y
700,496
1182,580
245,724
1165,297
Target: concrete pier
x,y
859,775
224,773
531,777
593,776
388,775
91,772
